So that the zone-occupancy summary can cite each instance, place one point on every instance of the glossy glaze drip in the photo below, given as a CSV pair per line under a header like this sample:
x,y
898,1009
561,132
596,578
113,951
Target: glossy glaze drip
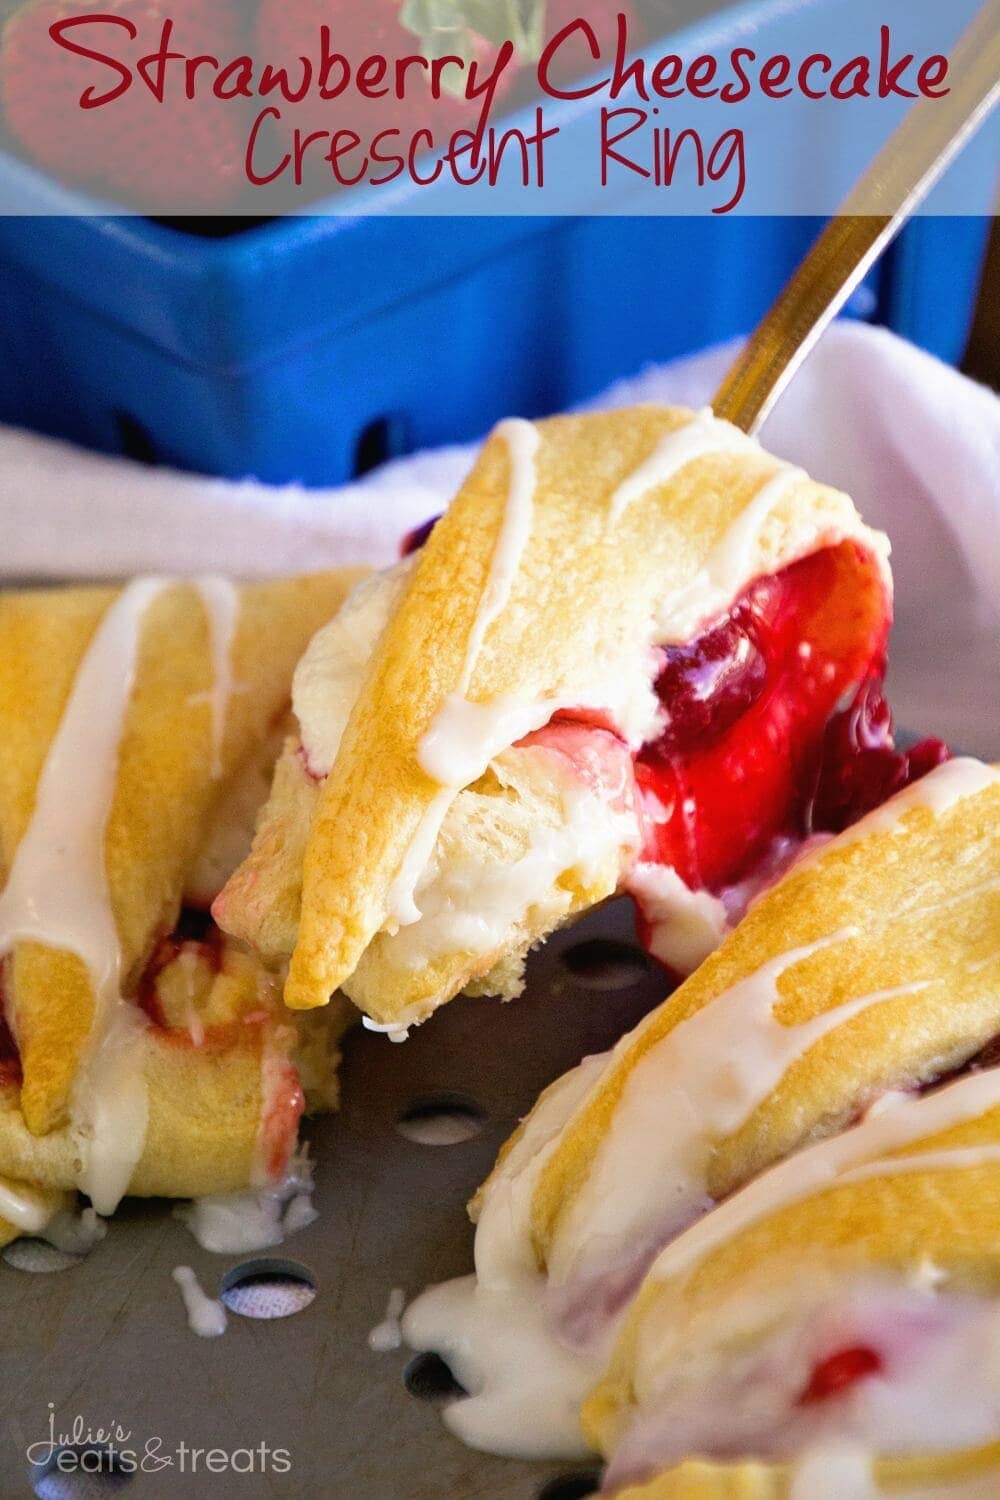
x,y
523,440
27,1210
704,435
257,1219
221,599
857,1154
58,895
206,1317
697,1086
939,791
388,1335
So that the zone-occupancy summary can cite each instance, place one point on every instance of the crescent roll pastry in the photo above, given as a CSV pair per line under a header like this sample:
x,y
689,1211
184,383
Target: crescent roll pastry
x,y
868,972
139,730
615,662
832,1329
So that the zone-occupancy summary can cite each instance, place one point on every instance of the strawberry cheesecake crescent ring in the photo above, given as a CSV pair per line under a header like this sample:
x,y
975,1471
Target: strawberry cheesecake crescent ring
x,y
751,1252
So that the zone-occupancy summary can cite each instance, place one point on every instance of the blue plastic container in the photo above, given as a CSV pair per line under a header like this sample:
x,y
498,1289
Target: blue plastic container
x,y
310,349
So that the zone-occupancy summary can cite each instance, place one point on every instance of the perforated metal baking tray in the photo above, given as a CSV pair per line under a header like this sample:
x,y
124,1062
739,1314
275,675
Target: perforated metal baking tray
x,y
106,1342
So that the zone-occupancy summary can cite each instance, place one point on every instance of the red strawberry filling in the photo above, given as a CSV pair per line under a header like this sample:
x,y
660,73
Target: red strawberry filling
x,y
418,537
192,934
776,726
839,1372
10,1059
754,745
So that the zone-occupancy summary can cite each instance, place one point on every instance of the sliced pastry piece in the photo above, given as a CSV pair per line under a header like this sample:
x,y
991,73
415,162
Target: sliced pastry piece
x,y
832,1330
135,725
636,652
868,972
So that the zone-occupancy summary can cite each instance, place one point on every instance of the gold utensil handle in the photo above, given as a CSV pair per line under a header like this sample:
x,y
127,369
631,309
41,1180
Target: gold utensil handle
x,y
911,162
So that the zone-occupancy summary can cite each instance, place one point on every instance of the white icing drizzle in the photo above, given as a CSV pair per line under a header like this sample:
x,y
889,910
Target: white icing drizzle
x,y
238,1223
953,1160
57,893
939,791
388,1335
698,1085
464,737
858,1153
27,1210
221,599
843,1472
728,568
75,1233
492,1328
206,1316
703,435
394,1030
526,1389
522,439
111,1106
834,1473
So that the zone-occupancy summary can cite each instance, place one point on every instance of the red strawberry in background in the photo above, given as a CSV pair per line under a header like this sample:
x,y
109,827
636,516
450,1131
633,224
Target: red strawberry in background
x,y
183,154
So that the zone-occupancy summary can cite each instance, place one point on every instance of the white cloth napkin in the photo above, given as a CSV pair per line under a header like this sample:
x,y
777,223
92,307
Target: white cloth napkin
x,y
917,445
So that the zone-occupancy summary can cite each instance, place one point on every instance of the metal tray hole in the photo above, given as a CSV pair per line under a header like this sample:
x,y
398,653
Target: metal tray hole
x,y
603,964
38,1256
268,1289
83,1471
441,1120
428,1378
570,1487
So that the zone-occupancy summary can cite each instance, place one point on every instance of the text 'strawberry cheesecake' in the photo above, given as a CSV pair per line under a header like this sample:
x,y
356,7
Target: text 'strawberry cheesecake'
x,y
866,979
618,661
140,1050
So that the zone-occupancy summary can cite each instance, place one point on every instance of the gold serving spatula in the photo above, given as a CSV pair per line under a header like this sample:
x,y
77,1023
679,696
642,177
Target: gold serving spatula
x,y
908,166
